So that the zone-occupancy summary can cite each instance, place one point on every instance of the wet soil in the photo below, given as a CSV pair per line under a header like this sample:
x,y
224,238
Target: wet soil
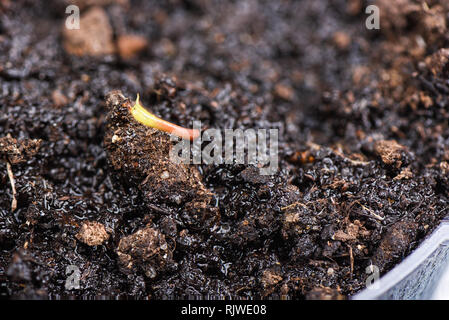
x,y
363,146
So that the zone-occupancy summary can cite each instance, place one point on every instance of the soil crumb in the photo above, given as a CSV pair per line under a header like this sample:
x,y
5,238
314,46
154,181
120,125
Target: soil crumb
x,y
92,233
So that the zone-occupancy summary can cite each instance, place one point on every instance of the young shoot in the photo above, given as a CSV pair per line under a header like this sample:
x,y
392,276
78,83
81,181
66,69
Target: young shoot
x,y
143,116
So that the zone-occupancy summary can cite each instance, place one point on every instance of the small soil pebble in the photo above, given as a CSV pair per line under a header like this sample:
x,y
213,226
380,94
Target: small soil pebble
x,y
437,63
59,99
269,280
130,45
95,36
444,166
283,91
92,233
145,250
324,293
17,151
342,40
391,152
405,173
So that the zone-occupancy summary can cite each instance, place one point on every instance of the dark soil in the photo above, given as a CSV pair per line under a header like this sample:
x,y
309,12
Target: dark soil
x,y
364,146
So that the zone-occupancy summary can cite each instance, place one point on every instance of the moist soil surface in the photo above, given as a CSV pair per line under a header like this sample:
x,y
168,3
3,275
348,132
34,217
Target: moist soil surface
x,y
362,116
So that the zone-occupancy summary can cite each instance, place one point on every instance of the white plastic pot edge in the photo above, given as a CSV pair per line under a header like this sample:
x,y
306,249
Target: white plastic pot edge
x,y
408,265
